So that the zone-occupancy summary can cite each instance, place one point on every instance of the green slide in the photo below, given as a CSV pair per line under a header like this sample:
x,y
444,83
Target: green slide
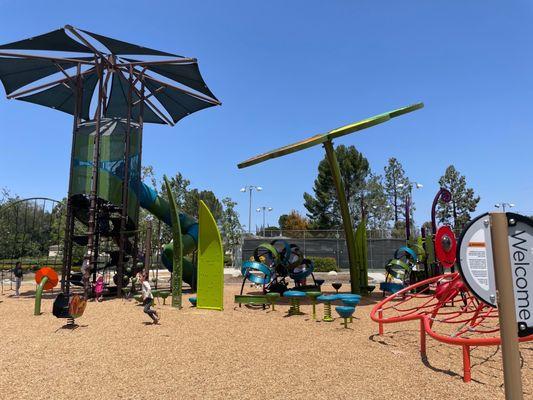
x,y
159,207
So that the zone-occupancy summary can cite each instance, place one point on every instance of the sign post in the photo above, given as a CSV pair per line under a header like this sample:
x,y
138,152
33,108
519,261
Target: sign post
x,y
503,275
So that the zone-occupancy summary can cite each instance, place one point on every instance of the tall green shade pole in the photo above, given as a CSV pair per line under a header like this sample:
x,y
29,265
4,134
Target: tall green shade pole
x,y
177,260
345,213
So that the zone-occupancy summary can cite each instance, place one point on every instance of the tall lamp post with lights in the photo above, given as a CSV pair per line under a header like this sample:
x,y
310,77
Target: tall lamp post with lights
x,y
250,188
503,205
408,205
264,209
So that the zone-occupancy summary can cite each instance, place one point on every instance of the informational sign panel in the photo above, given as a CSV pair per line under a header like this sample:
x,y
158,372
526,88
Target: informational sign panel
x,y
476,264
475,259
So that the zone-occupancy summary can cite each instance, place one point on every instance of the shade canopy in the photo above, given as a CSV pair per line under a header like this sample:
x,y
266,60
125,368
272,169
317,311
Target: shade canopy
x,y
161,91
333,134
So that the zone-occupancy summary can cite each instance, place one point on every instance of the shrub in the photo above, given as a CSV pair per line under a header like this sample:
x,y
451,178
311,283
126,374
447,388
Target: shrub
x,y
324,264
227,260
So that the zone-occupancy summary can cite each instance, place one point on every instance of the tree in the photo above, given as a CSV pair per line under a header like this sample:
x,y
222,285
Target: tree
x,y
231,227
179,187
323,208
397,187
377,209
457,211
193,197
293,224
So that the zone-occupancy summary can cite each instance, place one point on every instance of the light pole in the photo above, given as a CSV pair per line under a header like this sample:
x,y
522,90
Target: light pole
x,y
408,205
250,188
503,205
264,209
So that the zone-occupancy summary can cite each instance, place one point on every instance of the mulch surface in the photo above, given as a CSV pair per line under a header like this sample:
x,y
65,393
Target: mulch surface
x,y
240,353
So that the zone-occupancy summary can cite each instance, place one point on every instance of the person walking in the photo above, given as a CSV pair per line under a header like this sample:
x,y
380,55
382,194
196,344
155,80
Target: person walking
x,y
148,298
98,287
17,271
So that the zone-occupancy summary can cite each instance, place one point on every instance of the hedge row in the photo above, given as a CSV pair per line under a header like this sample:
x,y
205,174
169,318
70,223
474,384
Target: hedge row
x,y
324,264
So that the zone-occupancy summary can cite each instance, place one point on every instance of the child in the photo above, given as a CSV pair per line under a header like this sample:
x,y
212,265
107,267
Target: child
x,y
99,287
17,271
148,298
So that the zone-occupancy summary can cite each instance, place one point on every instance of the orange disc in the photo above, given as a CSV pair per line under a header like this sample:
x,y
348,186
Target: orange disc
x,y
53,279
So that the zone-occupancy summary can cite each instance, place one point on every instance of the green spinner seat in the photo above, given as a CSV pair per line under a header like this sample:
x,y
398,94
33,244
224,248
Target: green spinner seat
x,y
313,296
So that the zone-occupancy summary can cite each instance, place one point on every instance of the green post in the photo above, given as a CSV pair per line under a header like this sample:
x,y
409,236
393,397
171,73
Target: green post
x,y
362,255
346,218
38,295
177,261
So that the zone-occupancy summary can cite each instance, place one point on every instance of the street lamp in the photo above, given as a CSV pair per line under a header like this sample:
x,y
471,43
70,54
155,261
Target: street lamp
x,y
250,188
264,209
503,205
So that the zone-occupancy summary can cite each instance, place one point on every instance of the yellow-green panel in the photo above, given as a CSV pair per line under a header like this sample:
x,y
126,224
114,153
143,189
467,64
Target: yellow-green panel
x,y
210,262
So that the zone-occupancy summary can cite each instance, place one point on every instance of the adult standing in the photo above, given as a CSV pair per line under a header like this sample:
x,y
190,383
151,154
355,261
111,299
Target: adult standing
x,y
19,274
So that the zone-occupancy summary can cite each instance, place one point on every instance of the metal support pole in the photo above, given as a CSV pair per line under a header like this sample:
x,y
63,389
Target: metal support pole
x,y
148,248
92,245
125,193
506,306
69,225
250,211
346,218
408,217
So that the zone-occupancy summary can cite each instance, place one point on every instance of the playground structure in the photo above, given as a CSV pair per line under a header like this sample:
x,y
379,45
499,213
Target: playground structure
x,y
447,312
110,98
358,270
273,263
424,257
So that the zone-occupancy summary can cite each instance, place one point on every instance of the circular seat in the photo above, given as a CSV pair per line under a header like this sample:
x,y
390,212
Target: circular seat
x,y
193,301
294,293
164,294
345,312
294,296
343,296
272,297
313,296
327,299
319,282
351,302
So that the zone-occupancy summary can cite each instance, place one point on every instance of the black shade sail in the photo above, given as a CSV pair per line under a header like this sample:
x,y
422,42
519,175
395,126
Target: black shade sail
x,y
124,85
56,40
62,96
119,47
18,72
187,74
118,103
178,102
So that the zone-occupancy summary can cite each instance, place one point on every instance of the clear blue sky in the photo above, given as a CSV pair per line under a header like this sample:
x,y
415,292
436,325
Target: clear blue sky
x,y
286,70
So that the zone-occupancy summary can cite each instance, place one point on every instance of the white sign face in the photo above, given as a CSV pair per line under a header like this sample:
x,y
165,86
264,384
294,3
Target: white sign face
x,y
476,264
521,249
475,259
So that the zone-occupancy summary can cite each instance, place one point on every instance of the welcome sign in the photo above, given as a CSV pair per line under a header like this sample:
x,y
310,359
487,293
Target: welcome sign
x,y
476,264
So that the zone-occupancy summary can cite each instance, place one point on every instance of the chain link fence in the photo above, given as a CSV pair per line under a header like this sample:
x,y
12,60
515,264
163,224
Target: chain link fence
x,y
382,244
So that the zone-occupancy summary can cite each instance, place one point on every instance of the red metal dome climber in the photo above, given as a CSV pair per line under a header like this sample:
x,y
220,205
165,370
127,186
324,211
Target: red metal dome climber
x,y
447,312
